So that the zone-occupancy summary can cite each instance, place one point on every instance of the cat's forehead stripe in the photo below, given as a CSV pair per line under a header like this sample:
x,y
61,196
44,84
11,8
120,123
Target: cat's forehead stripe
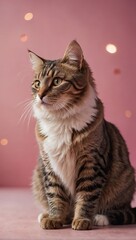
x,y
49,70
44,71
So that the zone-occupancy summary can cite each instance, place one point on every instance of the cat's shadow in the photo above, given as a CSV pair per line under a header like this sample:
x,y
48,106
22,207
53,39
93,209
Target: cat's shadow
x,y
130,226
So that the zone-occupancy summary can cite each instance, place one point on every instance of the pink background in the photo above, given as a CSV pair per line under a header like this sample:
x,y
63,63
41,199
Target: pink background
x,y
94,24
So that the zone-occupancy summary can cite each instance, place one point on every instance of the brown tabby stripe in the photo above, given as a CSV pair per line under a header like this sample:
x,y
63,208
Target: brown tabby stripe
x,y
75,85
87,205
50,71
39,135
64,87
53,185
124,216
44,71
55,195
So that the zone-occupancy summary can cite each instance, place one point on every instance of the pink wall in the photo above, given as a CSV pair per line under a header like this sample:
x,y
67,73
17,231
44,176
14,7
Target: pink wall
x,y
94,23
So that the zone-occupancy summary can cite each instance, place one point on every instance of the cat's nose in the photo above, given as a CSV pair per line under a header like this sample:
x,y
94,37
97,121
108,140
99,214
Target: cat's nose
x,y
43,98
42,94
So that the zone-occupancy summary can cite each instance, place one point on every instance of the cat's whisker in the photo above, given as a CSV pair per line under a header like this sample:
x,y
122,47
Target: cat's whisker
x,y
60,105
29,117
69,110
23,116
26,106
24,102
26,113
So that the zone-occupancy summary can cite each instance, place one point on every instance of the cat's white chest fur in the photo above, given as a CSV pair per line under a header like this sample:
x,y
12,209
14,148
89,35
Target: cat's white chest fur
x,y
58,147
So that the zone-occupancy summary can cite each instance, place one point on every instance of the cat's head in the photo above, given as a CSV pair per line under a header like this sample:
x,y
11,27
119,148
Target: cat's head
x,y
61,86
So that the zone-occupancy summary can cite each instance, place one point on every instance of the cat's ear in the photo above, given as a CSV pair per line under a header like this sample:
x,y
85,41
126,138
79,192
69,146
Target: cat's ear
x,y
37,62
73,54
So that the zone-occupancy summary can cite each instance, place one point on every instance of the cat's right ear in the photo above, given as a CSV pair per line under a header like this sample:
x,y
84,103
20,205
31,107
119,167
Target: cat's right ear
x,y
37,62
74,54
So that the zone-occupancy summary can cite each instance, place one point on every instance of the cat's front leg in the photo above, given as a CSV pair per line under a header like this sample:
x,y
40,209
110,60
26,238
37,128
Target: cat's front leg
x,y
58,208
58,203
89,186
82,216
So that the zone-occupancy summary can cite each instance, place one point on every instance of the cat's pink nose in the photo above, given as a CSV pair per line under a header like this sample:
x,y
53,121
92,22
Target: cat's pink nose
x,y
44,99
42,95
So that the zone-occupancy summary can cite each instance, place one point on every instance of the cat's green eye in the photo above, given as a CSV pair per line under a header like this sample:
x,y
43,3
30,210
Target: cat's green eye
x,y
57,81
37,83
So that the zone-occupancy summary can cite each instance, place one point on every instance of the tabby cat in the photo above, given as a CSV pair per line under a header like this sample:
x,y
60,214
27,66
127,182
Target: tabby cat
x,y
83,175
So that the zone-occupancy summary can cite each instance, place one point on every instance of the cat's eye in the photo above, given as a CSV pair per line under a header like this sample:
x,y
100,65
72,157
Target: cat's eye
x,y
57,81
37,83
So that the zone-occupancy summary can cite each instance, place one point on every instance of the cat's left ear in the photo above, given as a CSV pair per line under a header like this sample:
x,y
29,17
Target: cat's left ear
x,y
37,62
74,54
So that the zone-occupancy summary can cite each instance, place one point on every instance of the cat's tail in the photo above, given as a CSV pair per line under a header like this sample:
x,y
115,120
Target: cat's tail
x,y
120,217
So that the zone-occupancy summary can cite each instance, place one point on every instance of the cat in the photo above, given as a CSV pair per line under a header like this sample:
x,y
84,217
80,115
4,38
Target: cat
x,y
83,176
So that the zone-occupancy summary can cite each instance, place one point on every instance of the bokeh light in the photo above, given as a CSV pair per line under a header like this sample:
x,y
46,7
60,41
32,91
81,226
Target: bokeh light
x,y
117,71
128,114
23,38
4,141
28,16
111,48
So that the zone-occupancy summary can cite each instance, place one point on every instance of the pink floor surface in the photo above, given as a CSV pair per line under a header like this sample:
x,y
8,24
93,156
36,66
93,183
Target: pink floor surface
x,y
18,221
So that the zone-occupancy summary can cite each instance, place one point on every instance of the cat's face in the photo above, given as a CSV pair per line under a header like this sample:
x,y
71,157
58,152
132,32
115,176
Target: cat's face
x,y
61,85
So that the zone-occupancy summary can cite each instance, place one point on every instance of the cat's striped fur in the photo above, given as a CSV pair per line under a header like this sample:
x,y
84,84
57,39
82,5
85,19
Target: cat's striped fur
x,y
83,175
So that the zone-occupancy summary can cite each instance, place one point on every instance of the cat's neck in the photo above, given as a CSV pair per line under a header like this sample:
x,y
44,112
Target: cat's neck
x,y
77,118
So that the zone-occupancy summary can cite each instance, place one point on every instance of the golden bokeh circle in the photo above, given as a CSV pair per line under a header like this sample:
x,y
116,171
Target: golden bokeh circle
x,y
4,141
28,16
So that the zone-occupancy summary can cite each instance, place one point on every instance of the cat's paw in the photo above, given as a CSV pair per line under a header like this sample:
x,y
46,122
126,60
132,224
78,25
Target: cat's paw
x,y
41,216
81,224
101,220
50,223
